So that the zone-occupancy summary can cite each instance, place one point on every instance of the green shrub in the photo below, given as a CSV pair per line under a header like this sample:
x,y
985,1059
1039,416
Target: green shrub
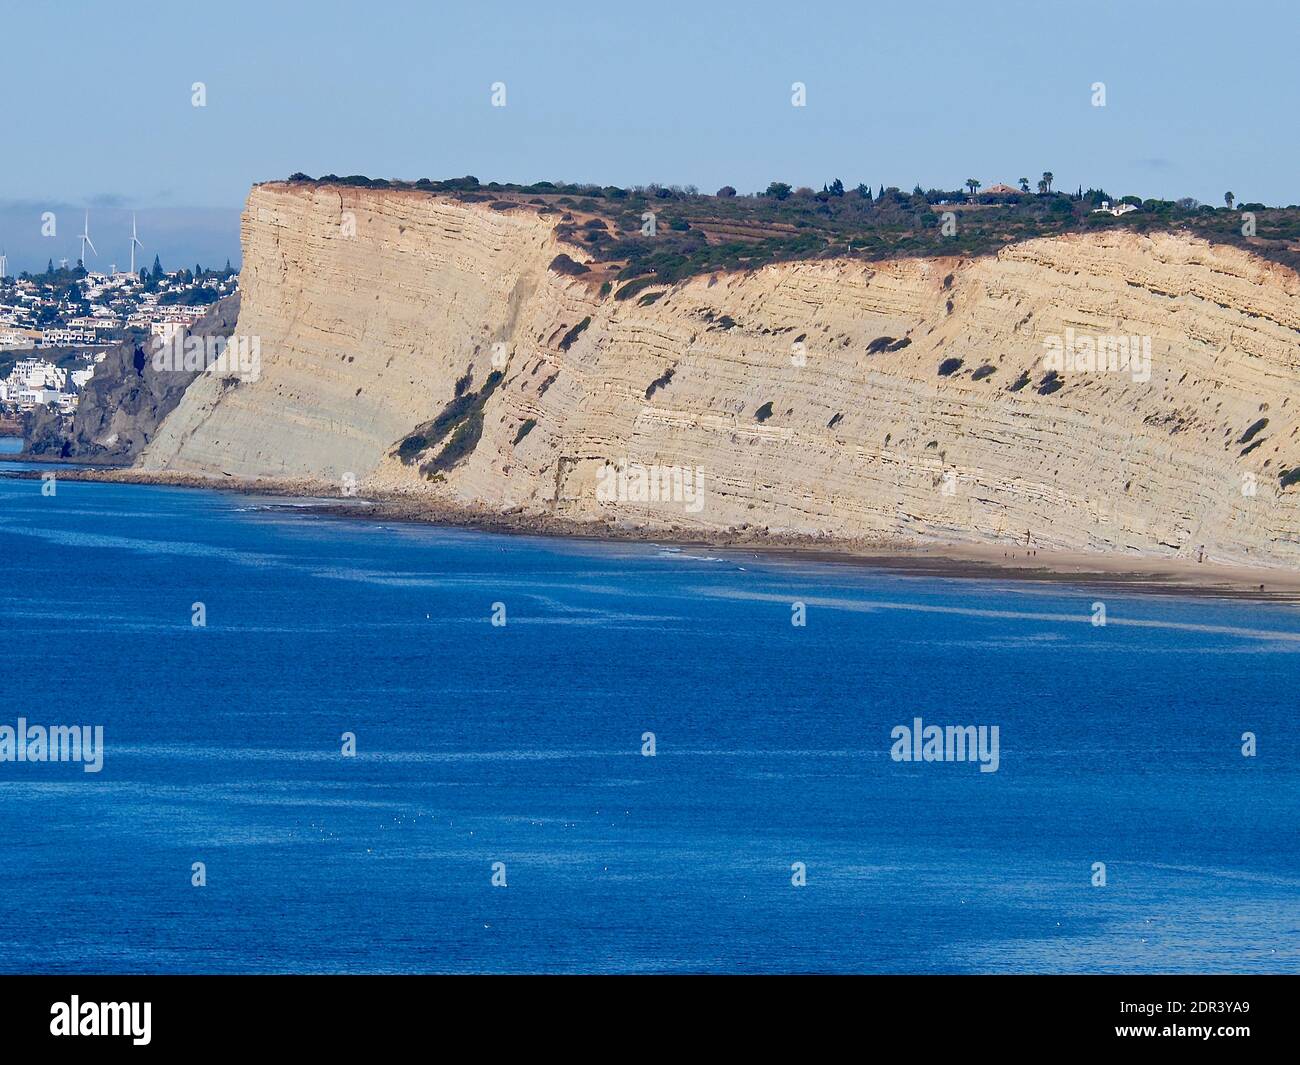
x,y
1249,433
660,382
567,341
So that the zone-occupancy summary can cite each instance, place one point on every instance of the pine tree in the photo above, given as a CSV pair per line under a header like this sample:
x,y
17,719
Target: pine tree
x,y
157,272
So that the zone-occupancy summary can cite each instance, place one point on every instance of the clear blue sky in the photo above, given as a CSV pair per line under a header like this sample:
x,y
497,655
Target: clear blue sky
x,y
1201,97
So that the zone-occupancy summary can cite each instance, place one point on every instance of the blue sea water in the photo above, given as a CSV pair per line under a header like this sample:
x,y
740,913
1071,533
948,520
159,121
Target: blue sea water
x,y
521,744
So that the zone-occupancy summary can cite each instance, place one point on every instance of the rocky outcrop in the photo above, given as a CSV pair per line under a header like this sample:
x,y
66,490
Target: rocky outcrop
x,y
901,400
126,400
44,431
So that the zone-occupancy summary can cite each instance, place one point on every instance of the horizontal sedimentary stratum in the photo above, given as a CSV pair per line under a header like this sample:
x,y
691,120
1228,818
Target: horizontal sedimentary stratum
x,y
1104,391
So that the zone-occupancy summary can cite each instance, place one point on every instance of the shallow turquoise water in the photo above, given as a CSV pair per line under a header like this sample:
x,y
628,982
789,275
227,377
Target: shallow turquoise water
x,y
521,744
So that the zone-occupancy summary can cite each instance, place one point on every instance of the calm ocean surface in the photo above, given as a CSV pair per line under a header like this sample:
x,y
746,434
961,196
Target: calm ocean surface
x,y
521,744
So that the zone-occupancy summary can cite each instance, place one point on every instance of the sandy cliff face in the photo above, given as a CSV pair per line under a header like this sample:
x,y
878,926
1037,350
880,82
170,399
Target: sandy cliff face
x,y
804,398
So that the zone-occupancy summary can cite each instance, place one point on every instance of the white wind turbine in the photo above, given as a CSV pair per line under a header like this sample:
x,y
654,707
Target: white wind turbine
x,y
85,239
135,242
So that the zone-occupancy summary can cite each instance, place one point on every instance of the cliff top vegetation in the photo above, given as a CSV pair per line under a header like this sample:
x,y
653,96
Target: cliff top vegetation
x,y
656,234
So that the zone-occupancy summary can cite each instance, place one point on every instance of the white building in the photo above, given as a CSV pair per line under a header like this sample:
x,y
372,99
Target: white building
x,y
28,397
37,373
1117,210
166,331
11,337
66,338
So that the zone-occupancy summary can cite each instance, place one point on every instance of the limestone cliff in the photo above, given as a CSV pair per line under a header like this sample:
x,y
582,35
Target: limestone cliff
x,y
898,400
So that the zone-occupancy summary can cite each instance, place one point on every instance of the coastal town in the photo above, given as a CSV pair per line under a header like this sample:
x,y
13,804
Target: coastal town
x,y
56,326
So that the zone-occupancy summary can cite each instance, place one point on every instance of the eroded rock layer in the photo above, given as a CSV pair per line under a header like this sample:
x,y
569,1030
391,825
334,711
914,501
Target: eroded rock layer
x,y
897,400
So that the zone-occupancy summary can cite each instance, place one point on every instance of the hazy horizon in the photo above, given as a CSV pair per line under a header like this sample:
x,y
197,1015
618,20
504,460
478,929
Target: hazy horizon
x,y
179,236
